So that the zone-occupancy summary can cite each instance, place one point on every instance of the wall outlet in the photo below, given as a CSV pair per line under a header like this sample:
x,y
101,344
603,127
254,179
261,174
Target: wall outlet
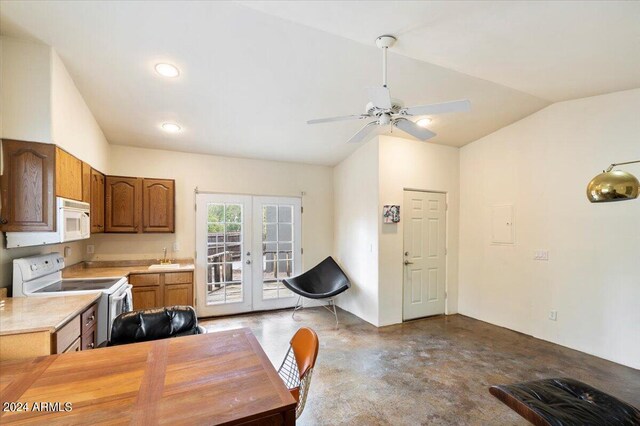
x,y
176,246
91,249
541,255
553,315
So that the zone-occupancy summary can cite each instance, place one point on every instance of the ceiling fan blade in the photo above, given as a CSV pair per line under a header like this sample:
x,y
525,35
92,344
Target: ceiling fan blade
x,y
366,132
341,118
380,97
413,129
453,106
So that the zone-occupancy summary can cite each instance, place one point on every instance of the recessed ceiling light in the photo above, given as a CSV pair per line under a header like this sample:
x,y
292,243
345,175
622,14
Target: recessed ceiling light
x,y
167,70
423,122
171,127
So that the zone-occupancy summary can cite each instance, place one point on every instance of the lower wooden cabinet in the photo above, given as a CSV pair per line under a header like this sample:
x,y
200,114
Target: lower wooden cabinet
x,y
78,334
89,339
146,297
178,294
75,346
162,289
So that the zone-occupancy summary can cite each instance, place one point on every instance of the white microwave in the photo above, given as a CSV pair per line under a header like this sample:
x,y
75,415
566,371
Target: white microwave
x,y
72,223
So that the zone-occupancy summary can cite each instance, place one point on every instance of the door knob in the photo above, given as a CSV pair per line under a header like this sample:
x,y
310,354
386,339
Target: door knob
x,y
248,262
406,262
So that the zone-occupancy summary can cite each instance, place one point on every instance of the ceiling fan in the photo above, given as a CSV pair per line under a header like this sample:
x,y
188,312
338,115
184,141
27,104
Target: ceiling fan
x,y
385,110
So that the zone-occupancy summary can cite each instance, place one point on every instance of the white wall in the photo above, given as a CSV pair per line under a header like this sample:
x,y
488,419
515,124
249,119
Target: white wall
x,y
409,164
40,103
25,85
219,174
73,127
355,187
542,165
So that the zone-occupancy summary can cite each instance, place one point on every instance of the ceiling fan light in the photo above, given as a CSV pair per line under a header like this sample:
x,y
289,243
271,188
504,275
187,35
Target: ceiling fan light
x,y
614,185
423,122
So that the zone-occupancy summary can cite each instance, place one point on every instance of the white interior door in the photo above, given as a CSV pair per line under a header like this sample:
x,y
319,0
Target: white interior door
x,y
424,254
277,231
246,245
223,246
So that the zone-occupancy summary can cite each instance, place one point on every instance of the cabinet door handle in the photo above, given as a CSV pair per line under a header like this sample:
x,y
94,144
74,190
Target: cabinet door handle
x,y
90,345
90,319
4,221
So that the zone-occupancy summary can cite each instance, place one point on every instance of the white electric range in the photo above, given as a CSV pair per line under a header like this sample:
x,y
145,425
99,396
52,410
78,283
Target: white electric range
x,y
41,276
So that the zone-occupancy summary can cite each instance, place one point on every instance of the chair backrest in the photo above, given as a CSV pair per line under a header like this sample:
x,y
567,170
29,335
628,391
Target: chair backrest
x,y
298,364
154,324
305,348
324,280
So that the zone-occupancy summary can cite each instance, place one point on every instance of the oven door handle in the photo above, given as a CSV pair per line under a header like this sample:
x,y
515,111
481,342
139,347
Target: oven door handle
x,y
123,293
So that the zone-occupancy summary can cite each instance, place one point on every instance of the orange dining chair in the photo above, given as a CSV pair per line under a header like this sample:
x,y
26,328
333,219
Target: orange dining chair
x,y
297,366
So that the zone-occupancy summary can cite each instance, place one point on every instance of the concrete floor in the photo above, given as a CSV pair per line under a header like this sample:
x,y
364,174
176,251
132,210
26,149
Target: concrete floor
x,y
433,371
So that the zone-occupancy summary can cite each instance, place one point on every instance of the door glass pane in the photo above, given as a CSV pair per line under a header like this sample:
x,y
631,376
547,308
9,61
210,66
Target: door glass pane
x,y
285,214
277,250
270,232
224,253
285,232
270,214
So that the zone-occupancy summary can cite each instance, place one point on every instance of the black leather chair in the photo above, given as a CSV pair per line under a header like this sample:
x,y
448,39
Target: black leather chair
x,y
154,324
565,402
324,281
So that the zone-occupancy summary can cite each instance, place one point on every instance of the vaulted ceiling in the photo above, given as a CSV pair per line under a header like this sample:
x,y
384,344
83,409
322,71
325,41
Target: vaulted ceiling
x,y
252,73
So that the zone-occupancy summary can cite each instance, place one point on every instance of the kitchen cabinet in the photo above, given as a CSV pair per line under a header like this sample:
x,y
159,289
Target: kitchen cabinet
x,y
162,289
97,201
139,205
31,340
34,174
68,175
123,204
146,297
89,321
158,200
27,187
86,182
178,294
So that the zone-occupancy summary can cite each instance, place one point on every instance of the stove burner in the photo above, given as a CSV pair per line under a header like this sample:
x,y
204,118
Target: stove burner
x,y
78,285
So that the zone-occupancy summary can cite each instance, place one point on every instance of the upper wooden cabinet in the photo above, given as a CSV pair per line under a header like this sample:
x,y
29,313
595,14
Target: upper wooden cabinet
x,y
139,205
97,201
68,175
86,182
35,173
158,198
27,187
123,204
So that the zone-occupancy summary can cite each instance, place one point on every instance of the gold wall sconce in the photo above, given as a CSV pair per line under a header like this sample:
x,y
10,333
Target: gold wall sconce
x,y
613,185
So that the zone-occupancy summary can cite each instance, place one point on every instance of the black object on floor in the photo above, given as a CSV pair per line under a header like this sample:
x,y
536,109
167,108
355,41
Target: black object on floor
x,y
324,281
565,402
154,324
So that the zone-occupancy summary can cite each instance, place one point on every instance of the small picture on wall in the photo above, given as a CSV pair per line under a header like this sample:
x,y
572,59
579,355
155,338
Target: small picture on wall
x,y
391,214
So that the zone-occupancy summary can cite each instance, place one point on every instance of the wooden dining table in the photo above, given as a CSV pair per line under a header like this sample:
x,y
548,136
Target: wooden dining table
x,y
222,378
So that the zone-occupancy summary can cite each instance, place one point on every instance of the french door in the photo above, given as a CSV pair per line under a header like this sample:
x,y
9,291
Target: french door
x,y
245,246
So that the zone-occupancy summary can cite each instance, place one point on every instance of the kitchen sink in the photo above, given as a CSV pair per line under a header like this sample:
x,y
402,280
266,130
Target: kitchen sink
x,y
165,266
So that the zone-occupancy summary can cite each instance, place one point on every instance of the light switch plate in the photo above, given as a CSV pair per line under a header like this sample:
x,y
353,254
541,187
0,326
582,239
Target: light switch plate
x,y
90,248
541,255
553,315
176,246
